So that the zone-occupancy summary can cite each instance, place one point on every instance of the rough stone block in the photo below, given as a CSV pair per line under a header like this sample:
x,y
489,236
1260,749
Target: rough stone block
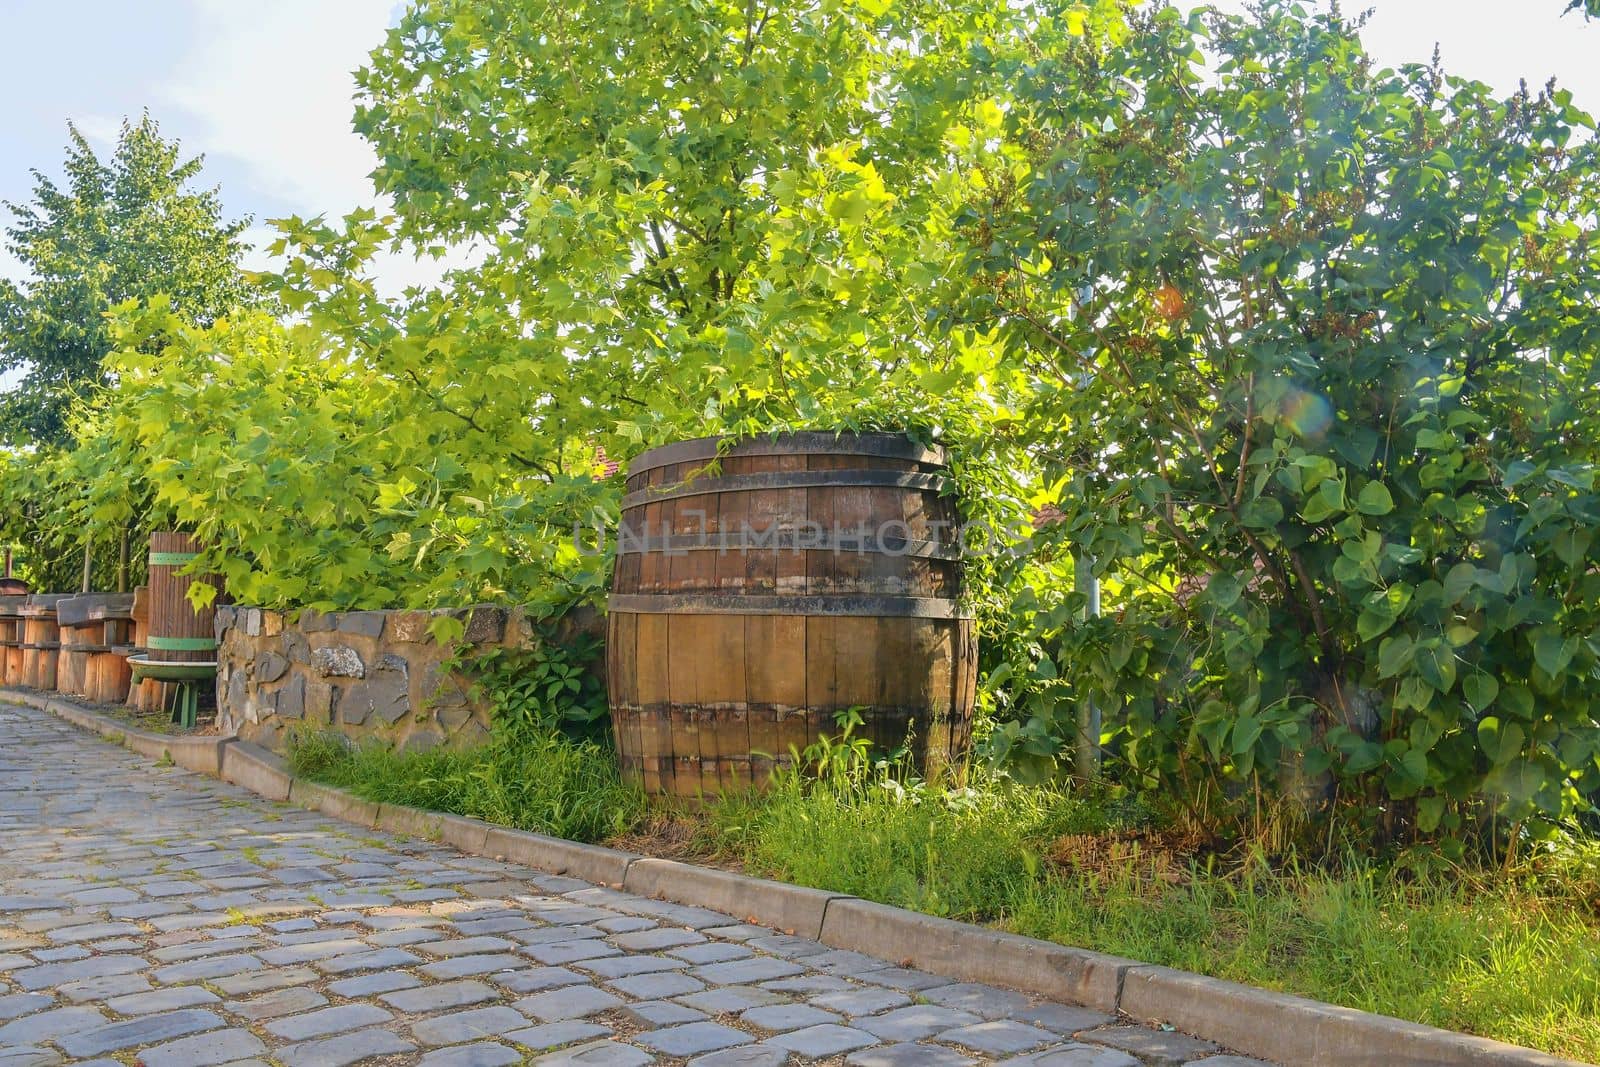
x,y
338,661
291,702
410,627
365,623
270,666
486,624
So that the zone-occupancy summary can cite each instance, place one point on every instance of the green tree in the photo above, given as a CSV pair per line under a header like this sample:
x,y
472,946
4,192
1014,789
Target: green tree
x,y
690,219
129,227
1325,342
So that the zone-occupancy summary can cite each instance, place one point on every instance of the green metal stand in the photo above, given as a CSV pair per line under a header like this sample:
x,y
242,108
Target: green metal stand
x,y
187,676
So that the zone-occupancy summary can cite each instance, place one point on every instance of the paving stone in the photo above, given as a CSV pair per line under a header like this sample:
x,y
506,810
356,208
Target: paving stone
x,y
597,1054
662,1013
571,951
787,1017
371,960
51,975
1062,1018
1157,1047
29,1056
744,1056
903,978
554,1035
998,1037
466,946
344,1049
987,1001
861,1001
1075,1054
467,966
828,1039
202,969
657,986
145,1030
240,985
168,999
654,940
909,1055
742,972
482,1054
439,997
18,1004
730,1000
691,1039
366,985
568,1002
468,1025
205,1050
714,952
328,1021
915,1022
278,1002
46,1026
536,979
623,966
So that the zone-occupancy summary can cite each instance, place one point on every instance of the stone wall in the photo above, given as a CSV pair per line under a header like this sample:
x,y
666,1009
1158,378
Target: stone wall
x,y
365,674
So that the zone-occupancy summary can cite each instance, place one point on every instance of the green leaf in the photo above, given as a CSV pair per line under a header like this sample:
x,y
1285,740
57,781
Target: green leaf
x,y
1480,690
1501,742
1375,499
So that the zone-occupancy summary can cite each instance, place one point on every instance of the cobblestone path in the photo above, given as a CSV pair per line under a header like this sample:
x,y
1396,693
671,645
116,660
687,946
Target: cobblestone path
x,y
153,916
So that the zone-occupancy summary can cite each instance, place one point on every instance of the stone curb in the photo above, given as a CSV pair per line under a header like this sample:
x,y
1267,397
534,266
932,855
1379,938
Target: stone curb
x,y
1255,1022
977,953
792,909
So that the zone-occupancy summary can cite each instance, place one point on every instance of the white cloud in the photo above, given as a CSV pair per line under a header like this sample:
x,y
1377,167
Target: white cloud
x,y
271,87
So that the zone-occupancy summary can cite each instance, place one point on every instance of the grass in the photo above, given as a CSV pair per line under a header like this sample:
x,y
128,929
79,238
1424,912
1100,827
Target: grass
x,y
532,781
1511,955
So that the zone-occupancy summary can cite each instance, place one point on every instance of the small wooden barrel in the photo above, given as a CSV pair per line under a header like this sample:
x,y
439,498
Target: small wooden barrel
x,y
148,695
179,633
41,641
72,669
11,638
811,573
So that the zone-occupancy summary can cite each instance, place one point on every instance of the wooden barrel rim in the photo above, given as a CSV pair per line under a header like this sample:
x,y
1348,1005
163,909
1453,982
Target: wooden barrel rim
x,y
881,445
787,540
739,483
912,607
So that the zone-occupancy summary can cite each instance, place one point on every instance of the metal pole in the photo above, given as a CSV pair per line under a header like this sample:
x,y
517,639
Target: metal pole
x,y
1088,746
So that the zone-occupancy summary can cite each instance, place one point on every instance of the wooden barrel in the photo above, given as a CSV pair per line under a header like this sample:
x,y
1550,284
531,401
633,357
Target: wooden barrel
x,y
177,632
754,600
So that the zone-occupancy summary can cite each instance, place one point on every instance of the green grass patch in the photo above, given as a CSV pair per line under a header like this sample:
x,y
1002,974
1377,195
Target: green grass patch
x,y
538,781
1513,956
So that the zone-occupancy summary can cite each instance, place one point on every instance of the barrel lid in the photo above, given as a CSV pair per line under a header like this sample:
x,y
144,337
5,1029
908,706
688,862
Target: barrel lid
x,y
884,445
13,604
92,607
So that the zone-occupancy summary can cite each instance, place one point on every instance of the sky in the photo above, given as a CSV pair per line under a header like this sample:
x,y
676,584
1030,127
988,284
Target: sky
x,y
263,89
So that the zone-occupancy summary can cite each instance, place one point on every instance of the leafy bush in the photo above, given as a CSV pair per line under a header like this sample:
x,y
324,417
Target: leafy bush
x,y
1323,341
